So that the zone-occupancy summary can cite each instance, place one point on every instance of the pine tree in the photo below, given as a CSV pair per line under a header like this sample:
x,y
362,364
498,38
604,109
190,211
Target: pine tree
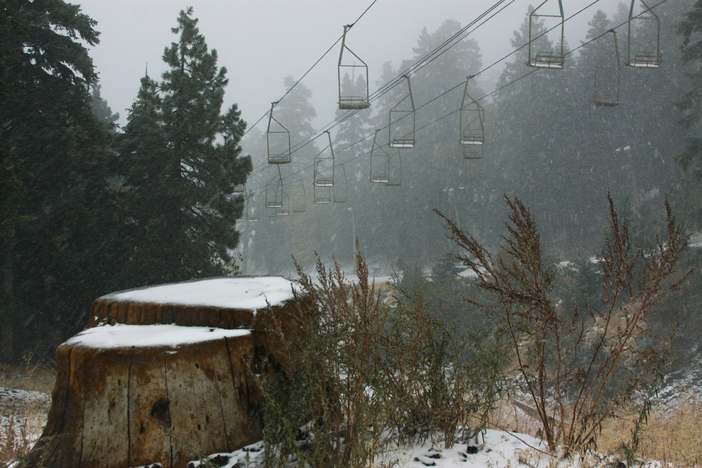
x,y
691,104
56,205
182,159
101,109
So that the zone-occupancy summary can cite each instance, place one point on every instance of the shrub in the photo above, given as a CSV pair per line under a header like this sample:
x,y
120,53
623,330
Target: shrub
x,y
578,366
360,375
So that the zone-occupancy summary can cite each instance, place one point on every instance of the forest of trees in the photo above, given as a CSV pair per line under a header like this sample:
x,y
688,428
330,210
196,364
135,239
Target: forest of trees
x,y
87,208
546,143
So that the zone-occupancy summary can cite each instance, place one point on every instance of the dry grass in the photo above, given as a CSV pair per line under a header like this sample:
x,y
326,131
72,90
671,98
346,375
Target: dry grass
x,y
673,435
30,377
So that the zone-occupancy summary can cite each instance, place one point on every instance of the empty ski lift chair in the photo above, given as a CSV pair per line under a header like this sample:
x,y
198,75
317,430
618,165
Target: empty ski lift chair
x,y
274,192
299,201
379,159
277,141
241,189
394,170
402,121
251,207
608,77
644,43
554,59
341,187
324,166
347,101
322,195
284,209
472,126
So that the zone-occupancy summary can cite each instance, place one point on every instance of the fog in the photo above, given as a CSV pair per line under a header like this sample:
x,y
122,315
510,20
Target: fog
x,y
546,143
262,42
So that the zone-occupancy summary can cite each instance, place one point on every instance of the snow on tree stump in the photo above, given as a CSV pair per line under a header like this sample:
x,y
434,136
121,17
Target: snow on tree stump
x,y
163,374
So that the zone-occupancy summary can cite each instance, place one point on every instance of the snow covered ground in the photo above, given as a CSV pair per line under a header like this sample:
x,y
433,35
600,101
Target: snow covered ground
x,y
494,449
22,419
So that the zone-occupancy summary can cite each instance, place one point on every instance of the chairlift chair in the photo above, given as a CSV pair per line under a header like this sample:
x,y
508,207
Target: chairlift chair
x,y
277,141
402,121
472,126
284,209
351,101
644,50
379,158
251,207
322,195
394,170
241,189
274,192
546,59
324,166
607,78
299,201
341,186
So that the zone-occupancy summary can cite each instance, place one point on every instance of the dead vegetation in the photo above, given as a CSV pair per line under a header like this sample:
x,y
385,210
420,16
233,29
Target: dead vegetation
x,y
578,367
24,405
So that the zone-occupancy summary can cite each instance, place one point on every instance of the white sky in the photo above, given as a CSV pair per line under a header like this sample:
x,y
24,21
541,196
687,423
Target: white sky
x,y
262,41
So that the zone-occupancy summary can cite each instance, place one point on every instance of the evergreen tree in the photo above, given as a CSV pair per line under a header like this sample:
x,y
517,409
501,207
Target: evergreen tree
x,y
690,104
56,205
101,109
182,160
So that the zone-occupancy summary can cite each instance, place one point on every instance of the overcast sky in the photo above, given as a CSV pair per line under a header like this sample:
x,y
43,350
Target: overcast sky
x,y
262,41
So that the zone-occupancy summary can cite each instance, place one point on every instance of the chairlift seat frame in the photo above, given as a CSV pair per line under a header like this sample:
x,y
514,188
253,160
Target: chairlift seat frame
x,y
284,210
350,102
644,59
406,140
607,98
551,60
547,59
284,157
325,176
274,192
251,207
379,159
394,170
472,136
322,195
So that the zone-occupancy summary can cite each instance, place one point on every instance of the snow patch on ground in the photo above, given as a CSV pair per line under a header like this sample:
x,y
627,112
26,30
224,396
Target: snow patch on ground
x,y
241,292
496,449
23,415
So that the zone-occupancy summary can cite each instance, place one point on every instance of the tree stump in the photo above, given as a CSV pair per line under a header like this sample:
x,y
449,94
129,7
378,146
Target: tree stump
x,y
146,382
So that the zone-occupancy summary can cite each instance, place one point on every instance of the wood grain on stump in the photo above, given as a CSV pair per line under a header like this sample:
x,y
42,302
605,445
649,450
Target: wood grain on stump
x,y
163,376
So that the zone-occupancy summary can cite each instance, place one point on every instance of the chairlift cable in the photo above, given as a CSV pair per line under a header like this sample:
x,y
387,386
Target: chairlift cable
x,y
394,82
431,56
310,69
375,95
441,49
497,90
